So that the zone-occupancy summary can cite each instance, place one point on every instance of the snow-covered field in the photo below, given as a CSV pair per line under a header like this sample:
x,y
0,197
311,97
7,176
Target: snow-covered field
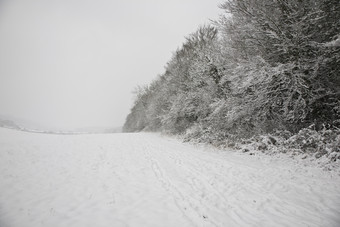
x,y
149,180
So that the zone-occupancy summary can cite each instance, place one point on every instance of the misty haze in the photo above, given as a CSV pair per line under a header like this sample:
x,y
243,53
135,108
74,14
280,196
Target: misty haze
x,y
169,113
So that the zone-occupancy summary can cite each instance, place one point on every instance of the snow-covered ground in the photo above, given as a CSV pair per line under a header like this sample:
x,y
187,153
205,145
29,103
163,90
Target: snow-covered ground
x,y
149,180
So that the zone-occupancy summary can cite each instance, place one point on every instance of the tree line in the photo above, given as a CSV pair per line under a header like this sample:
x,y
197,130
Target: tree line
x,y
262,67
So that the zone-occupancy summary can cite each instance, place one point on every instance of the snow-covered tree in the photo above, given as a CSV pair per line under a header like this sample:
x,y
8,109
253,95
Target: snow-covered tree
x,y
264,66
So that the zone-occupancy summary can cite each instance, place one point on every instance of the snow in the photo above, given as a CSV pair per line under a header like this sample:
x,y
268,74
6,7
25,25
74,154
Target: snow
x,y
334,43
146,179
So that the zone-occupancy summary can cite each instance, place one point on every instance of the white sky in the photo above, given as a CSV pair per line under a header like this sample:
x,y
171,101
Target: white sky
x,y
74,63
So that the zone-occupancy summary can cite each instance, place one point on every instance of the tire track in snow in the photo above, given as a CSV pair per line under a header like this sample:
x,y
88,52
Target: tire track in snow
x,y
190,208
233,185
243,214
215,204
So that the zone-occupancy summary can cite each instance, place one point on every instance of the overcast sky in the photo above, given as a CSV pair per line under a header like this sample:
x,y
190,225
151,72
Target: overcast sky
x,y
74,63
